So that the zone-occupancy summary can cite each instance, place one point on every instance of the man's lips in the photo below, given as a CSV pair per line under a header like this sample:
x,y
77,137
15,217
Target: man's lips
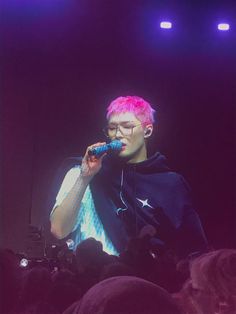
x,y
123,146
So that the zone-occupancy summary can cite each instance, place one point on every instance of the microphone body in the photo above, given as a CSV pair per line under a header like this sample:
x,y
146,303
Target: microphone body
x,y
115,145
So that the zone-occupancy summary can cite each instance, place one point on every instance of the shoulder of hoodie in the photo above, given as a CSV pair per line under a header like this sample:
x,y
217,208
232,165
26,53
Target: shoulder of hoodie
x,y
177,179
174,177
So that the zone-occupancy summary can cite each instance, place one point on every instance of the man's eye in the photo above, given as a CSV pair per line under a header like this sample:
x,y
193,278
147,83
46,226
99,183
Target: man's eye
x,y
111,128
127,126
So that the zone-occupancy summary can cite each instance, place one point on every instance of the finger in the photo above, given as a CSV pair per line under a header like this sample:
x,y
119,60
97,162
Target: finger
x,y
102,156
94,145
91,147
95,158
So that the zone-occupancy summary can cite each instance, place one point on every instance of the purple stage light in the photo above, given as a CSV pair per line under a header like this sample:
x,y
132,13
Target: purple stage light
x,y
166,25
223,27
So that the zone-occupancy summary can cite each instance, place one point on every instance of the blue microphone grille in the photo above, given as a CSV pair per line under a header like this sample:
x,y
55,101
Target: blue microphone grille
x,y
116,145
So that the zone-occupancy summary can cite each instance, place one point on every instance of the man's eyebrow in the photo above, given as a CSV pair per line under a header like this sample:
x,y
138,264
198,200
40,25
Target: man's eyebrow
x,y
116,123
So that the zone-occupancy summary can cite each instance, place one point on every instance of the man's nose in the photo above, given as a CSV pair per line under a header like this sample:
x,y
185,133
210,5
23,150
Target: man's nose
x,y
118,133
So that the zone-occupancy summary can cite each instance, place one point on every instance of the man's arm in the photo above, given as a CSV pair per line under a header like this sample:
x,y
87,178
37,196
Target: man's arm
x,y
64,216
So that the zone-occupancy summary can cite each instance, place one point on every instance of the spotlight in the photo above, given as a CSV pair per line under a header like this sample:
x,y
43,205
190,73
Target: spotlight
x,y
166,25
223,27
24,262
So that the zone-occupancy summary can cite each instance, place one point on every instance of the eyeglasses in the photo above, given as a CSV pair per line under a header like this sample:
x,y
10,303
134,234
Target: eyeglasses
x,y
126,129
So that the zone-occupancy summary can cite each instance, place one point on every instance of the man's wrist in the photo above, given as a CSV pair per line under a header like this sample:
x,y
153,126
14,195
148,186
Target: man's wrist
x,y
82,179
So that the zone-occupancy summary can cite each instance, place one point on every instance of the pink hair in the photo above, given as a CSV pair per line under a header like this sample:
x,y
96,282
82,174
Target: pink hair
x,y
137,105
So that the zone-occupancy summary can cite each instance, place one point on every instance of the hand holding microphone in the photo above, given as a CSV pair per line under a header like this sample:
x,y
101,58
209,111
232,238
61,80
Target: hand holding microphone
x,y
115,145
92,161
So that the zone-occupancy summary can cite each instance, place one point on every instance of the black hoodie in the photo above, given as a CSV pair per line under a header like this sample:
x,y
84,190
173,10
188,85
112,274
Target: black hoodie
x,y
129,197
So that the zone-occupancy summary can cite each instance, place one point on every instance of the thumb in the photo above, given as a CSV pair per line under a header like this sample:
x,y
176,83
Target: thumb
x,y
103,155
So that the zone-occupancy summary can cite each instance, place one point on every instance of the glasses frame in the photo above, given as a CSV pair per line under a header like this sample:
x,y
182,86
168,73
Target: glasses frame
x,y
118,128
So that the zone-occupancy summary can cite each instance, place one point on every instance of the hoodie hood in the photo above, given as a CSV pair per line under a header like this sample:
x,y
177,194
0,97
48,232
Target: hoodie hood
x,y
155,164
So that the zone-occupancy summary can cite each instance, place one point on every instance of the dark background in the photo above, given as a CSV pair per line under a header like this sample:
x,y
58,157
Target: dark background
x,y
65,60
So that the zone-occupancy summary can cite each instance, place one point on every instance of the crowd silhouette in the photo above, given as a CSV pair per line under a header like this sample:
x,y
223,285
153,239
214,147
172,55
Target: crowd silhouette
x,y
90,281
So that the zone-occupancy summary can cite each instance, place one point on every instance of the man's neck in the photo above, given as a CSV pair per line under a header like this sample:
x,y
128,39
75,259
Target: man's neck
x,y
141,156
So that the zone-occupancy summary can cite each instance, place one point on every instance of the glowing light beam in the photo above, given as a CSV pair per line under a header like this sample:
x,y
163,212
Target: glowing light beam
x,y
223,27
166,25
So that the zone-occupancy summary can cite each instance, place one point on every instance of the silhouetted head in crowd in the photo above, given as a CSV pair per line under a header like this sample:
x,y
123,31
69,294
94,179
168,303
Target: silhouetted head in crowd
x,y
90,255
10,276
63,276
116,269
125,295
65,290
36,284
137,252
212,285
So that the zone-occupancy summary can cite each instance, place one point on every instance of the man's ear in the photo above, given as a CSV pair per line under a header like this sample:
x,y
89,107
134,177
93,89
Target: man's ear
x,y
148,130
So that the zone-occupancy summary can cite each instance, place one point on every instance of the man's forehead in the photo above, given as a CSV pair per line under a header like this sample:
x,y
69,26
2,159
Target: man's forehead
x,y
123,117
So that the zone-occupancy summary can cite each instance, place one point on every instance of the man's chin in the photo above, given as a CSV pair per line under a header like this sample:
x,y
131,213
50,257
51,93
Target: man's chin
x,y
125,156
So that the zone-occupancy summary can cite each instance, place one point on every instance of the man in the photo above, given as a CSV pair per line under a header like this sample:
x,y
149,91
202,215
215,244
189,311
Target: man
x,y
116,197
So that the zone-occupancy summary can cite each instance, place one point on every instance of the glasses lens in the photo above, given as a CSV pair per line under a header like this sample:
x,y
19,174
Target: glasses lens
x,y
126,129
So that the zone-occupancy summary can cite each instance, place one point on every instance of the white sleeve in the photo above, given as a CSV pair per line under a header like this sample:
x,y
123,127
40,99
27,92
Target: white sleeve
x,y
87,222
67,184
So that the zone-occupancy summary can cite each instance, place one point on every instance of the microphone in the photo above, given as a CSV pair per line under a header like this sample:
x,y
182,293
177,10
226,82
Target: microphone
x,y
115,145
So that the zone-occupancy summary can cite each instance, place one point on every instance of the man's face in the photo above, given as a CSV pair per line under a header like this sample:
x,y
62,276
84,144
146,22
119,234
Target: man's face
x,y
129,130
